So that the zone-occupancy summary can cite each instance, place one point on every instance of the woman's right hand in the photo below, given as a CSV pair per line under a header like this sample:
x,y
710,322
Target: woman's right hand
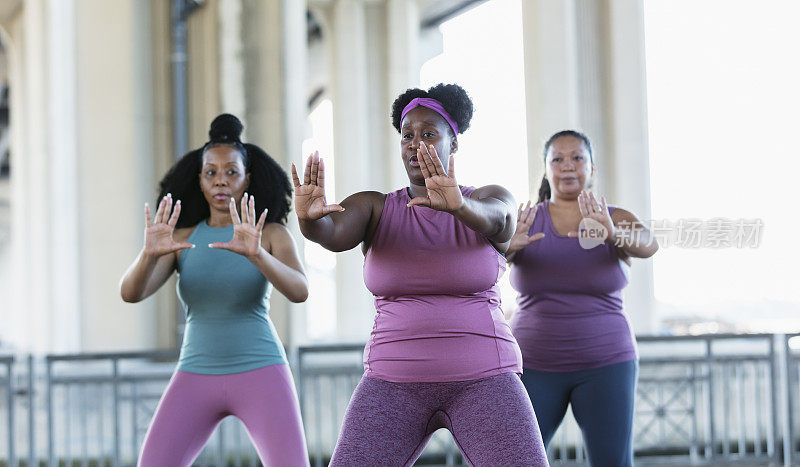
x,y
521,239
309,197
158,239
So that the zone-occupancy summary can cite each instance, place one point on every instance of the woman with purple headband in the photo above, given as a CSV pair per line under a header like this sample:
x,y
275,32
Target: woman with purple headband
x,y
577,345
440,354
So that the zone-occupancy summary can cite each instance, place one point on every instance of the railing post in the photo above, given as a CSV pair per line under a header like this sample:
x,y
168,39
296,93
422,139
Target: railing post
x,y
12,457
711,444
134,421
693,449
50,442
115,416
788,422
31,415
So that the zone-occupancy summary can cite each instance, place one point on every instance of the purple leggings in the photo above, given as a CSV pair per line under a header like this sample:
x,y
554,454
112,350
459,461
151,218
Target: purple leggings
x,y
491,420
264,399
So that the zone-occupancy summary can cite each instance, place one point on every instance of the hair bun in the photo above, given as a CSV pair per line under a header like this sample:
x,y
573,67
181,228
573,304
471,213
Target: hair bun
x,y
226,128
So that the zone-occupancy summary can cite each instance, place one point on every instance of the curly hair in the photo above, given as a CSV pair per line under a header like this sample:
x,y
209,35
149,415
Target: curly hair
x,y
269,183
544,188
453,97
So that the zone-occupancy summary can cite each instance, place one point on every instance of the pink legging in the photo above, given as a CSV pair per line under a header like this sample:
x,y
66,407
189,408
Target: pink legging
x,y
264,400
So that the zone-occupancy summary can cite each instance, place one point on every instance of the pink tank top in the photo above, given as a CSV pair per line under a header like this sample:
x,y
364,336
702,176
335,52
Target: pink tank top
x,y
437,300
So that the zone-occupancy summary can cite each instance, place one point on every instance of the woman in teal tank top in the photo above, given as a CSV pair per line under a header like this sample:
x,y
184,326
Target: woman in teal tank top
x,y
225,237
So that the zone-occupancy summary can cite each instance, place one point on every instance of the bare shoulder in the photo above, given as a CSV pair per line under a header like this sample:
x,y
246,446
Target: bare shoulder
x,y
366,197
491,191
274,230
183,234
276,236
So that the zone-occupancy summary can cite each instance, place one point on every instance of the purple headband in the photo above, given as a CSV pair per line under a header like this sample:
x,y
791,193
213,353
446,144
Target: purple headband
x,y
432,104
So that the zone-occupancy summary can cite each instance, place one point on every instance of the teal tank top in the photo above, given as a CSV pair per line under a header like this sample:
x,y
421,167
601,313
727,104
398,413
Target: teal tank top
x,y
225,296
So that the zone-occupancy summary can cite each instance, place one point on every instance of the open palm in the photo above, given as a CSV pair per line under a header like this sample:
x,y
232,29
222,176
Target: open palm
x,y
158,239
443,193
521,239
246,239
309,197
597,212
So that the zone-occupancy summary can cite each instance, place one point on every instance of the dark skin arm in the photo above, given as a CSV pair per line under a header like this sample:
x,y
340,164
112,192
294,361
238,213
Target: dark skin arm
x,y
335,227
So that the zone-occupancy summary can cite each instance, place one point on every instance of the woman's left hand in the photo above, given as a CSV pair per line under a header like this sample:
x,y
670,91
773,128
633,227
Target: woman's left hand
x,y
597,212
443,192
246,232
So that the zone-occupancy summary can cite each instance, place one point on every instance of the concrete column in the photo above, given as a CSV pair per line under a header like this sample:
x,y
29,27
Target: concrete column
x,y
204,70
584,66
231,66
26,309
551,80
274,51
32,247
163,156
626,104
13,330
403,63
115,171
65,261
381,163
353,157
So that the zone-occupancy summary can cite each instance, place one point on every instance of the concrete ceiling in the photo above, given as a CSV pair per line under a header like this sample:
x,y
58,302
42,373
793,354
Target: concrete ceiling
x,y
435,12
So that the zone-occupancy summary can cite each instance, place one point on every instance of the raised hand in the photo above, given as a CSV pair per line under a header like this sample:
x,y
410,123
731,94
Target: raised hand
x,y
595,216
246,239
521,239
443,192
158,239
309,197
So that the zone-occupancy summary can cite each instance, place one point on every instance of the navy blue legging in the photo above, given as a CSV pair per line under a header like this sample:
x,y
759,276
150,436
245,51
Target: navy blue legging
x,y
602,402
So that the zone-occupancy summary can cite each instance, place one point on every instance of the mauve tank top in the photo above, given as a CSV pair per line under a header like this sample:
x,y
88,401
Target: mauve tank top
x,y
438,305
570,313
226,298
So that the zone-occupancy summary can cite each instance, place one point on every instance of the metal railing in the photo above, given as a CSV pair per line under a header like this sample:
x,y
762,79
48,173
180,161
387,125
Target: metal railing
x,y
700,400
791,349
724,387
7,383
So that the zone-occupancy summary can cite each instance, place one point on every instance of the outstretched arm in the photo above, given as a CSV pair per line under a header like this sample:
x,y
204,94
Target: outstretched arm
x,y
335,227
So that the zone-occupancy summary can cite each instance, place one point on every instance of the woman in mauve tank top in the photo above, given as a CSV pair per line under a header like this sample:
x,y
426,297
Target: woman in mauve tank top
x,y
440,354
570,256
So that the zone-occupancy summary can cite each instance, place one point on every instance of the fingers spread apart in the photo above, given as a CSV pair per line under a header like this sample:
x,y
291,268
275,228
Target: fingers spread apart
x,y
175,214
